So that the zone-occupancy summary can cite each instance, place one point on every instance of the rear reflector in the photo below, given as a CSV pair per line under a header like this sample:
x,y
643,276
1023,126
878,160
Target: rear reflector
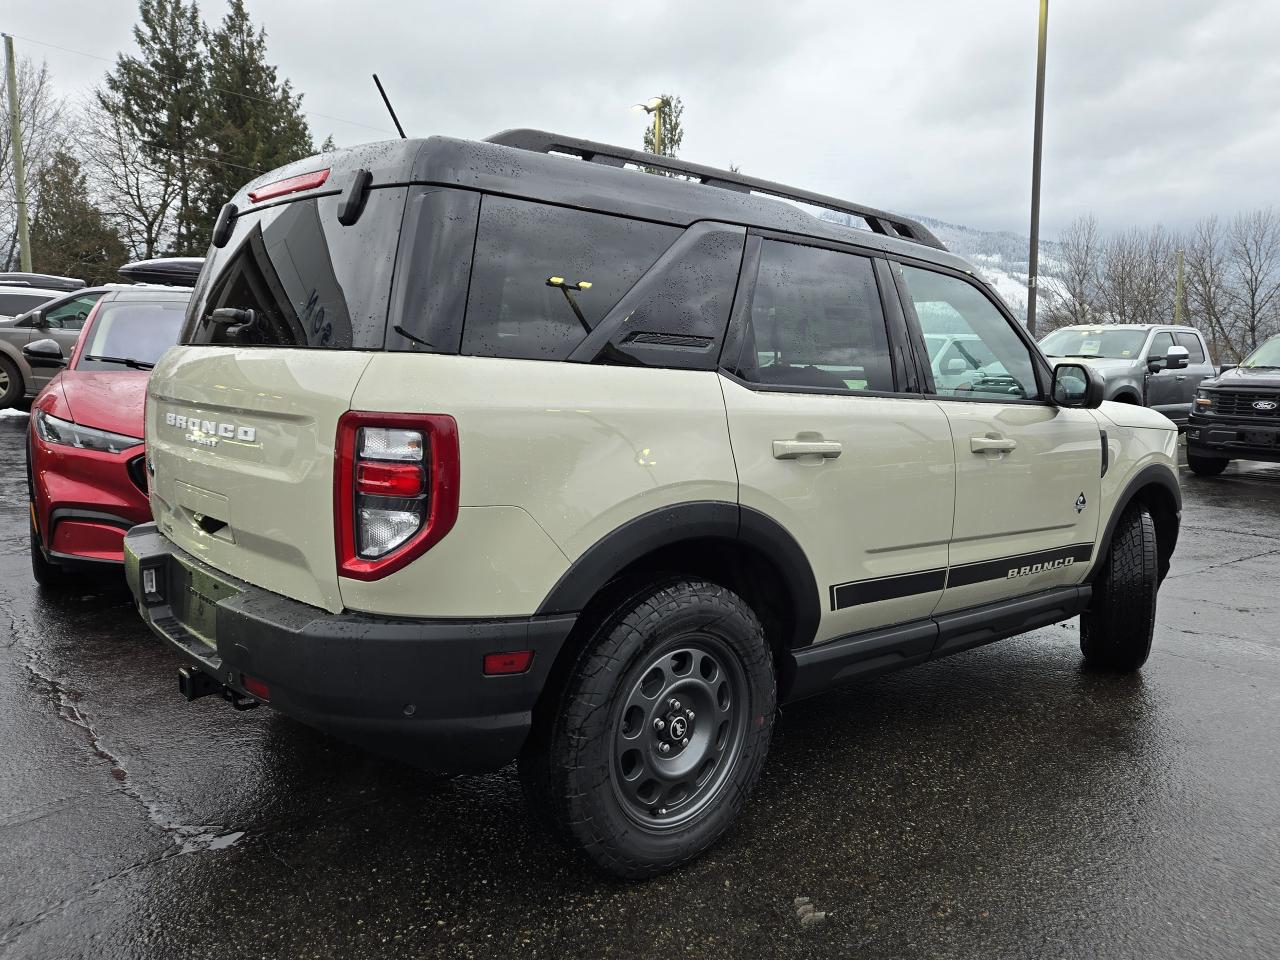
x,y
303,181
388,479
496,664
255,687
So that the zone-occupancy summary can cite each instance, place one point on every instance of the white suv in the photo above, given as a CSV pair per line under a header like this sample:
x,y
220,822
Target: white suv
x,y
482,451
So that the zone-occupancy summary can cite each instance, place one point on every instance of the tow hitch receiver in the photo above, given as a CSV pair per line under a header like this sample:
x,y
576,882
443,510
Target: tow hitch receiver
x,y
194,684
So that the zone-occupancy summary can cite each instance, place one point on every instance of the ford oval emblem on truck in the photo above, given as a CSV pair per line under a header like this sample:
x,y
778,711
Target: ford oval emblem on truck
x,y
1264,404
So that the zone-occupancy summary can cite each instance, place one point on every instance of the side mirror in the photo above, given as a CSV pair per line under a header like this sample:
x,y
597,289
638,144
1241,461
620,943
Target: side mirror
x,y
1223,368
1177,358
956,365
44,353
1075,385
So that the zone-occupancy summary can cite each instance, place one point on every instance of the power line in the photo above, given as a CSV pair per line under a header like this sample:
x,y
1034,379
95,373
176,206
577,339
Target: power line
x,y
232,93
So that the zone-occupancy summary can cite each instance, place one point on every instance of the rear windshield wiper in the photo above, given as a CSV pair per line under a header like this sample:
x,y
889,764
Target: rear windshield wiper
x,y
129,362
409,336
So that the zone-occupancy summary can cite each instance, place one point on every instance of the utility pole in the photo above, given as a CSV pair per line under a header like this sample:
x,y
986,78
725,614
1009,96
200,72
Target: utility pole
x,y
657,128
1038,142
1179,292
19,168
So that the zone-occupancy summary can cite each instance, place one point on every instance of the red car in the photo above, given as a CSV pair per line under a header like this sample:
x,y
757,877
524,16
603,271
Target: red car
x,y
86,467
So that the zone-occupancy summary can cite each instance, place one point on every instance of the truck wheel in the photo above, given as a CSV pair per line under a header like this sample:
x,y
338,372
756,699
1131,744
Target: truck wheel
x,y
1115,632
11,386
1206,466
660,733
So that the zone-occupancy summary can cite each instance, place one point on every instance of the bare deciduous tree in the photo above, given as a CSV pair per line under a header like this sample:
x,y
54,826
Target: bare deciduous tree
x,y
1208,287
1136,277
1254,242
136,194
1072,296
43,135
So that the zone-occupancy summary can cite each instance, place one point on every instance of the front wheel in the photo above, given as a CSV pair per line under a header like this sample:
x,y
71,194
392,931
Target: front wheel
x,y
11,386
661,731
1116,630
51,576
1206,466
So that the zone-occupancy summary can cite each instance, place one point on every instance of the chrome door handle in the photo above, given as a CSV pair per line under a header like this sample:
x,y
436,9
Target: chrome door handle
x,y
793,449
992,444
1182,376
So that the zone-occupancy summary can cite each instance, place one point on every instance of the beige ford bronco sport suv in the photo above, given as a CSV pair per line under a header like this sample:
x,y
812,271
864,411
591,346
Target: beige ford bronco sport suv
x,y
482,451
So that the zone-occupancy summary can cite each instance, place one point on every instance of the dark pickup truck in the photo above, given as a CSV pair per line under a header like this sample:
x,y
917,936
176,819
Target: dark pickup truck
x,y
1236,415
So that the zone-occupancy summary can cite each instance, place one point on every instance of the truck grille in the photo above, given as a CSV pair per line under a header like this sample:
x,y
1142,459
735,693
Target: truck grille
x,y
1240,403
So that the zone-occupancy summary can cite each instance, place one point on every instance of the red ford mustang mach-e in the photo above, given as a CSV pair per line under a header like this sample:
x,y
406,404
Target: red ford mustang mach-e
x,y
85,460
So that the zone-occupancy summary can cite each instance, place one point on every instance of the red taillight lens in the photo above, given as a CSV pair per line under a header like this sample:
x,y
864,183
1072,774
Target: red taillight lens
x,y
388,479
497,664
395,489
303,181
255,687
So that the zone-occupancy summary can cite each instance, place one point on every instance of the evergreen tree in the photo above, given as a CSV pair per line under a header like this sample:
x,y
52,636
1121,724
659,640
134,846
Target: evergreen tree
x,y
69,238
159,95
672,129
252,121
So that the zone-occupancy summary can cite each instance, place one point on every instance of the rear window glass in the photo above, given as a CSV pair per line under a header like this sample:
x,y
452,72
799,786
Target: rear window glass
x,y
131,332
543,276
1192,343
12,304
300,278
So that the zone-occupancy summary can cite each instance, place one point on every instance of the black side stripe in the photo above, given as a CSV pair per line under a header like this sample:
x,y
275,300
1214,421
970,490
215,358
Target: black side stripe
x,y
886,588
911,584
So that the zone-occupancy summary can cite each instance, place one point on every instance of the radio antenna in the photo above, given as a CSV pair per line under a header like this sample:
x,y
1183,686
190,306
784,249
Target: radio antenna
x,y
394,118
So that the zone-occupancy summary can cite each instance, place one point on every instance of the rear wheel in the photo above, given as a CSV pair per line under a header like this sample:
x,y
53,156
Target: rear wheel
x,y
1206,466
661,731
11,386
1116,631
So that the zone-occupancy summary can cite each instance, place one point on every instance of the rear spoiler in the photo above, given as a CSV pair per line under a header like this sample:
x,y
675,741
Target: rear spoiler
x,y
171,271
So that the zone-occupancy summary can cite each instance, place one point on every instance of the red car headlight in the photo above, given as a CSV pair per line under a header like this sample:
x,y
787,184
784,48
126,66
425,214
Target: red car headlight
x,y
66,433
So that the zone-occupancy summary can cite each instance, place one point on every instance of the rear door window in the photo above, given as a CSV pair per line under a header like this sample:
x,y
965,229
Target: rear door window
x,y
544,276
816,321
1192,342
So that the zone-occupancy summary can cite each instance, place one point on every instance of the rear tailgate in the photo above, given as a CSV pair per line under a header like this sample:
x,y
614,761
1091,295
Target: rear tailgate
x,y
240,445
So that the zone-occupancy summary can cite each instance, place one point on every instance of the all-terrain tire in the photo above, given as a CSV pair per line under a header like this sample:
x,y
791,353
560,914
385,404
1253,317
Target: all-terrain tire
x,y
1206,466
1116,630
11,385
605,773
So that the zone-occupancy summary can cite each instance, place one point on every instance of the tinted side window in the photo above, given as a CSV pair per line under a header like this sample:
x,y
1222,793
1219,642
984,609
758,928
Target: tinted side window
x,y
983,356
72,314
1192,343
816,321
308,280
12,304
1160,344
544,276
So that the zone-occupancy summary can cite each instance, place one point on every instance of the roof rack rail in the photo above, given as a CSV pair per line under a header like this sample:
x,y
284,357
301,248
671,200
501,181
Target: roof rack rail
x,y
879,221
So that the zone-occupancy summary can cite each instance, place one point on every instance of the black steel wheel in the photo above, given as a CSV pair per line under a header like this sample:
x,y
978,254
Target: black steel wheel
x,y
655,742
679,731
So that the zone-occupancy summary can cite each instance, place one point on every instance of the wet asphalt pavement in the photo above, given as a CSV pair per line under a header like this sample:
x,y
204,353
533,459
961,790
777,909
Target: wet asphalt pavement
x,y
1000,803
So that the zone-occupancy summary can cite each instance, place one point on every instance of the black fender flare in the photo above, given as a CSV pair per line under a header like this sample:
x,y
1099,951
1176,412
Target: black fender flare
x,y
696,520
1157,474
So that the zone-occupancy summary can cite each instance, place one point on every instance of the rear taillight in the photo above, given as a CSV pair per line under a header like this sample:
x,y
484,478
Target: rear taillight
x,y
396,489
280,188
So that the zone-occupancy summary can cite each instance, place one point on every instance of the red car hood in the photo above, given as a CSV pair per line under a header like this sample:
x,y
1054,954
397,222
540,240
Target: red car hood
x,y
106,400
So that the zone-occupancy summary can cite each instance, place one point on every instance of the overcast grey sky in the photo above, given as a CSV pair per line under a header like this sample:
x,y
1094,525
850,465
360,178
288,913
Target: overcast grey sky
x,y
1158,111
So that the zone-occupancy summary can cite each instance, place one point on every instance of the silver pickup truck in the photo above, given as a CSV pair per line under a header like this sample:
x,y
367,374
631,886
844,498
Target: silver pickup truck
x,y
1151,365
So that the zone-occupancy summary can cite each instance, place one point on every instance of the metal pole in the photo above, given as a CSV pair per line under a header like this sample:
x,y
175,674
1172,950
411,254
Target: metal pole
x,y
1038,142
1179,292
19,167
657,130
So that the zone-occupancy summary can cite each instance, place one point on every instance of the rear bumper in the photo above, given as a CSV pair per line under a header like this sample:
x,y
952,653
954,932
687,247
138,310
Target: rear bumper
x,y
407,688
1233,441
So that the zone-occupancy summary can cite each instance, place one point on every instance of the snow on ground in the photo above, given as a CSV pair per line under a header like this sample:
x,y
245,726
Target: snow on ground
x,y
13,412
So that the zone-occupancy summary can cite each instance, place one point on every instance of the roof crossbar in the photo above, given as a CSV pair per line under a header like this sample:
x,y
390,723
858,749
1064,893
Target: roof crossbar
x,y
880,221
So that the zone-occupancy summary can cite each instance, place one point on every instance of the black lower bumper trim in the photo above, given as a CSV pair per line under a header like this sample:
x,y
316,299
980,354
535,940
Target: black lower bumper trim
x,y
409,688
1234,441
